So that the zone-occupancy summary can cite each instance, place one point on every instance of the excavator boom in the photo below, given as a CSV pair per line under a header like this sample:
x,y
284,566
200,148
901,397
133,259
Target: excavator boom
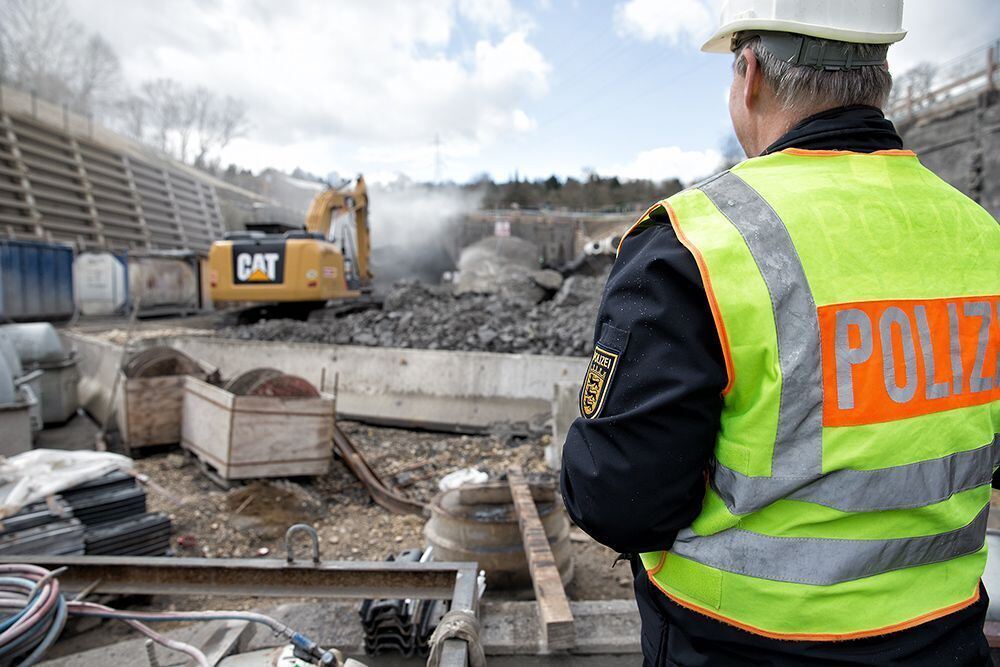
x,y
330,205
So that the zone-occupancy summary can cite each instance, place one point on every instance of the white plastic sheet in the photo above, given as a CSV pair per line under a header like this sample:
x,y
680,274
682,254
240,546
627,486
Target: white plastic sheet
x,y
33,476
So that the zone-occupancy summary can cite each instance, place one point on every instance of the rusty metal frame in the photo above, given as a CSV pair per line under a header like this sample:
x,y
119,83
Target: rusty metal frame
x,y
456,582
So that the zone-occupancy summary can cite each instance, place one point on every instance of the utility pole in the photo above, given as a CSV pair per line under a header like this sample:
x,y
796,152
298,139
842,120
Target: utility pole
x,y
437,157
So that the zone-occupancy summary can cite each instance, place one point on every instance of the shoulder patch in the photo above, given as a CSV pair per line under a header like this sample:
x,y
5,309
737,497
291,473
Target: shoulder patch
x,y
598,380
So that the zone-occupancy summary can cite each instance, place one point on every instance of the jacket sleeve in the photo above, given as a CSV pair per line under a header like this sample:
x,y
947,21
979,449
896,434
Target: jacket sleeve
x,y
634,474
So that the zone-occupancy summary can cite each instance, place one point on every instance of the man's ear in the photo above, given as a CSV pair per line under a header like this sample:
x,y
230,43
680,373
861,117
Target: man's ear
x,y
752,79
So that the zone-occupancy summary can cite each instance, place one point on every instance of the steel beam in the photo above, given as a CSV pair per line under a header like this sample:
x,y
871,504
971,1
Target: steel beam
x,y
457,582
262,578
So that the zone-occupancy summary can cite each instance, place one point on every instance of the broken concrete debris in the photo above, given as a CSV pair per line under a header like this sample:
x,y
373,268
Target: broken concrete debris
x,y
419,316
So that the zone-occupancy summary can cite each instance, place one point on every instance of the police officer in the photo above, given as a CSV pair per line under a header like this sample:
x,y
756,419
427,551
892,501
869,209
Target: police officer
x,y
790,419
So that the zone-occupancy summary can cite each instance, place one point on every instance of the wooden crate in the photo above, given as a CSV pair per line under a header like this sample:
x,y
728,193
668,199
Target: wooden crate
x,y
245,437
148,411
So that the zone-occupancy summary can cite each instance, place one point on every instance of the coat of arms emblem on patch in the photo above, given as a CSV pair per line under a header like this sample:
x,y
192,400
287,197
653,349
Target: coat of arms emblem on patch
x,y
595,386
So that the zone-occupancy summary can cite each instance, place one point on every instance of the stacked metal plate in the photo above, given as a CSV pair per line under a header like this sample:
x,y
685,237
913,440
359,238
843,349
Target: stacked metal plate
x,y
142,535
401,626
113,509
41,529
105,516
110,498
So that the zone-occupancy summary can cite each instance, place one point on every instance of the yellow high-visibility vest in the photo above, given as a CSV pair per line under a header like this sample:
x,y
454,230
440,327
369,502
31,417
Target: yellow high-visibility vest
x,y
857,298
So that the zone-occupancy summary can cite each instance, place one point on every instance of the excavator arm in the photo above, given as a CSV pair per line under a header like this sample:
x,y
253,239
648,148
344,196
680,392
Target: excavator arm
x,y
335,202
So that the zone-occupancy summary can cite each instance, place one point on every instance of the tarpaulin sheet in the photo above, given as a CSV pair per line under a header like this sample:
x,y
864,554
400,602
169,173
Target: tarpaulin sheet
x,y
34,476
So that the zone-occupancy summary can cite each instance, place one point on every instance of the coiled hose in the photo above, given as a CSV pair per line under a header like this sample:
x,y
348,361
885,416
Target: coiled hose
x,y
33,613
39,617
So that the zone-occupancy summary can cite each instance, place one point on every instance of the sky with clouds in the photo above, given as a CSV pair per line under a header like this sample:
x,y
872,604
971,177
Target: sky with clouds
x,y
533,87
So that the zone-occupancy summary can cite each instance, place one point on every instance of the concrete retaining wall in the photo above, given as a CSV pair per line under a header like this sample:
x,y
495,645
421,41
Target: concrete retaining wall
x,y
946,146
460,391
429,388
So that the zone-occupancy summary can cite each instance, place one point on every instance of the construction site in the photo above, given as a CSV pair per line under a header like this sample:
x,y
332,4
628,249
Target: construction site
x,y
265,435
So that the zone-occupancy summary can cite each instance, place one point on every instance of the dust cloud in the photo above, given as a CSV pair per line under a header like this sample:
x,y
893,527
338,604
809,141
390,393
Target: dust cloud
x,y
412,228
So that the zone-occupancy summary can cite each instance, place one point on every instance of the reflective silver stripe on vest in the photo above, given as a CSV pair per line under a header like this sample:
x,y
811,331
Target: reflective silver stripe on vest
x,y
797,463
901,487
825,561
798,445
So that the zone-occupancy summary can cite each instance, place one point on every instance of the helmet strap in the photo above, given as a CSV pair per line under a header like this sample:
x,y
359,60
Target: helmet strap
x,y
806,51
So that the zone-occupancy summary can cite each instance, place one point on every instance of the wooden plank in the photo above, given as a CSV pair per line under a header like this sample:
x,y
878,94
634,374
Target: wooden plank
x,y
554,614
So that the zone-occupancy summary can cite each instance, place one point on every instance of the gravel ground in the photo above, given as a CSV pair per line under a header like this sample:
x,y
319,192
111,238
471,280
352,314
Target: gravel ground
x,y
250,521
418,316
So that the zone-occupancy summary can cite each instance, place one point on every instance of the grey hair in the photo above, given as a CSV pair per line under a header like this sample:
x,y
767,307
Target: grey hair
x,y
804,89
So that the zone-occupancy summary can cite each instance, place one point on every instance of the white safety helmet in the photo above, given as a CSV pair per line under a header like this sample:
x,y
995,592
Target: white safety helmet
x,y
854,21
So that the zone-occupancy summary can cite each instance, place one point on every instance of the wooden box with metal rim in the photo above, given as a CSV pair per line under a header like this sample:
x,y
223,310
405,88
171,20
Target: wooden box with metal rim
x,y
148,401
262,423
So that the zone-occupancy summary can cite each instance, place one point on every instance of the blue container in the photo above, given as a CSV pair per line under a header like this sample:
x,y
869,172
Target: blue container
x,y
36,281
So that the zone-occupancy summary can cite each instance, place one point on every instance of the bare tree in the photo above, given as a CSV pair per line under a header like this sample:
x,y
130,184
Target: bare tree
x,y
161,97
98,75
219,124
920,80
43,50
131,113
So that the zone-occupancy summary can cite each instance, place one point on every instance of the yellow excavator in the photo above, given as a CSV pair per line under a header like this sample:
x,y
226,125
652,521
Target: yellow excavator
x,y
298,270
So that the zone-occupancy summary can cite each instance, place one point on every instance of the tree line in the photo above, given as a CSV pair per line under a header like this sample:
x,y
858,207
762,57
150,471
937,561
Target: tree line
x,y
593,192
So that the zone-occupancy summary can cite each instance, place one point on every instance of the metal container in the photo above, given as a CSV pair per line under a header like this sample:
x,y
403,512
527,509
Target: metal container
x,y
36,281
9,354
39,349
28,384
58,384
8,392
15,414
35,343
101,283
478,523
165,282
15,424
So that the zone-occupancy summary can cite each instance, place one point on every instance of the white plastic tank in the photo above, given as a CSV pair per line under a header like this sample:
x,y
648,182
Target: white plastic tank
x,y
162,281
101,287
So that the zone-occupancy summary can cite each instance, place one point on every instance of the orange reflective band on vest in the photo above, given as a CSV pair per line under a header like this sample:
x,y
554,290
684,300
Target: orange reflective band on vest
x,y
888,360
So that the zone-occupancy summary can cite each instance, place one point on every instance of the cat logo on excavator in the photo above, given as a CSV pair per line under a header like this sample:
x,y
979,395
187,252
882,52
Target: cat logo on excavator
x,y
257,267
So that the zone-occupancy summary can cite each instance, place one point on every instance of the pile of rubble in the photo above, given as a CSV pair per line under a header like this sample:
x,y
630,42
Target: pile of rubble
x,y
418,316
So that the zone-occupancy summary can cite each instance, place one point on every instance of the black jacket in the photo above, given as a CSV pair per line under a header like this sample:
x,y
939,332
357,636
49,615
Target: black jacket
x,y
634,475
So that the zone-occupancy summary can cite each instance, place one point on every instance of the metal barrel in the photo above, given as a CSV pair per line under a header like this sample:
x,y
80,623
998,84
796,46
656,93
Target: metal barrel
x,y
160,360
270,382
478,523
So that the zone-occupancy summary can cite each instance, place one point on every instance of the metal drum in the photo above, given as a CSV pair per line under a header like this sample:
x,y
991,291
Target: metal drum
x,y
159,361
478,523
270,382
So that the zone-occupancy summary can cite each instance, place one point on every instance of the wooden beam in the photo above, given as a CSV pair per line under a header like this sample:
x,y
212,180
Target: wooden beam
x,y
554,614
